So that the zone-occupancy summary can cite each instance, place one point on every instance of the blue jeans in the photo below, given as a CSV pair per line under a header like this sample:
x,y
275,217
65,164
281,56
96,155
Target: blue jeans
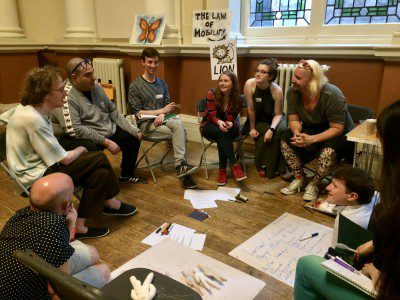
x,y
81,268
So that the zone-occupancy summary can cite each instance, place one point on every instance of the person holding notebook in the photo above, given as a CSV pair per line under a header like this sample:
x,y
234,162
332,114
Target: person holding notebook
x,y
312,281
352,191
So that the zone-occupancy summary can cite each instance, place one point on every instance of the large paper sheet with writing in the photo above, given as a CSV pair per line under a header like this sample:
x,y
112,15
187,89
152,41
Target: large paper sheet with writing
x,y
171,258
276,249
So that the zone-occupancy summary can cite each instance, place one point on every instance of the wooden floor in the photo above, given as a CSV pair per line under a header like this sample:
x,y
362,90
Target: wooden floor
x,y
229,226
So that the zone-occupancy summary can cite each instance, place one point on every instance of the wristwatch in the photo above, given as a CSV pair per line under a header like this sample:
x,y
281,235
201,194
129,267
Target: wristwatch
x,y
272,129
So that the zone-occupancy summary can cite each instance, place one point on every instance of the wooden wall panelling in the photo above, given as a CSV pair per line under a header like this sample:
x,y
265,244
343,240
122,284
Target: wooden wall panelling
x,y
13,67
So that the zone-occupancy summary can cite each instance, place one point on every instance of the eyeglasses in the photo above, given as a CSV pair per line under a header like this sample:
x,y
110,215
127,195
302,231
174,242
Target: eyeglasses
x,y
263,72
84,63
60,90
304,64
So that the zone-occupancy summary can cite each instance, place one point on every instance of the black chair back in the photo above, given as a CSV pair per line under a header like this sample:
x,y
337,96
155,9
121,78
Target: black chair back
x,y
3,156
359,113
201,105
65,286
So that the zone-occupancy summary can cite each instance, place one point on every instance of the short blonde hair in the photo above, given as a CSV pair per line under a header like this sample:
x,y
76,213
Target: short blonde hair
x,y
318,77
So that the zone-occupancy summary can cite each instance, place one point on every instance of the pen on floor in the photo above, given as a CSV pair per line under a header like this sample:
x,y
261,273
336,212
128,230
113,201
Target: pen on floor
x,y
204,212
268,192
309,237
164,227
170,229
166,231
241,198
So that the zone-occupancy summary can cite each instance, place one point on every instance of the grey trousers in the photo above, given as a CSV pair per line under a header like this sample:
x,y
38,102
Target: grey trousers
x,y
171,129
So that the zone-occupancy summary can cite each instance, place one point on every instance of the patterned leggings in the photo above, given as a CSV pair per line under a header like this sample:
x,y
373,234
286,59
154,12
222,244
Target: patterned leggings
x,y
327,160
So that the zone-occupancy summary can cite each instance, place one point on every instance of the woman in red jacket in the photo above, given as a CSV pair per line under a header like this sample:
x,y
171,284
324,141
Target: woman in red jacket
x,y
221,123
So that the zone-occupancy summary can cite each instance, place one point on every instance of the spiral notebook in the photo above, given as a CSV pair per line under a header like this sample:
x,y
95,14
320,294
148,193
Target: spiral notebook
x,y
360,281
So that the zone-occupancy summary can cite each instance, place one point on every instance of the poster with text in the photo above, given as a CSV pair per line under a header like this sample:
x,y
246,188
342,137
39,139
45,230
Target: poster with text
x,y
211,26
148,29
223,57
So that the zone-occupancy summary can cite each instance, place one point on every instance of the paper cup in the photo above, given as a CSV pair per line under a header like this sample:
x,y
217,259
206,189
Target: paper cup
x,y
371,126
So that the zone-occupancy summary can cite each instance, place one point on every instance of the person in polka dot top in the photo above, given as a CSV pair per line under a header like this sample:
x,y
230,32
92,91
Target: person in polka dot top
x,y
46,227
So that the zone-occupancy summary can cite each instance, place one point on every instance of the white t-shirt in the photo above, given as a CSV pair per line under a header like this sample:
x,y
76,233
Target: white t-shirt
x,y
31,144
359,214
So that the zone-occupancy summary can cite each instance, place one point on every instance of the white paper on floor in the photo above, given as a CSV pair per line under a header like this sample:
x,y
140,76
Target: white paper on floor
x,y
170,259
203,203
178,233
276,248
206,198
227,193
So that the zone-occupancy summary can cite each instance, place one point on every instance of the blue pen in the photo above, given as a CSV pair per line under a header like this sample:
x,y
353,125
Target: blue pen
x,y
309,237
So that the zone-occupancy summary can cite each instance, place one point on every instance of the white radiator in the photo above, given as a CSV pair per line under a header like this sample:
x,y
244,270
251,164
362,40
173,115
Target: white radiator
x,y
110,69
284,79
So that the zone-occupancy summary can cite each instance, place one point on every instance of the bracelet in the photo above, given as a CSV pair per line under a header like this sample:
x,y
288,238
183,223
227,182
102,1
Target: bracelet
x,y
272,129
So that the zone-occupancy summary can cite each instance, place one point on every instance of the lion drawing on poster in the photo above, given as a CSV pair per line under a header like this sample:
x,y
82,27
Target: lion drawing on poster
x,y
223,53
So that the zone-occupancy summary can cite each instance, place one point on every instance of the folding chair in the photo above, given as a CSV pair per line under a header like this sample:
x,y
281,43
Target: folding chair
x,y
3,157
146,151
201,108
245,128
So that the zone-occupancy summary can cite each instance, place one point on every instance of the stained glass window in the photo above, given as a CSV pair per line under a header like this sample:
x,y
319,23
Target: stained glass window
x,y
362,11
279,13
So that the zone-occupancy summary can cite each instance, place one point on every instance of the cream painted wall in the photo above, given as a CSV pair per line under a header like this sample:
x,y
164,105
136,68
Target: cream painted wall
x,y
188,7
115,18
217,4
43,21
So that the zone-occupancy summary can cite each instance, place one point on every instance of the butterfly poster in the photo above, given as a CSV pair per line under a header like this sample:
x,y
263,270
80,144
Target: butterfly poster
x,y
148,29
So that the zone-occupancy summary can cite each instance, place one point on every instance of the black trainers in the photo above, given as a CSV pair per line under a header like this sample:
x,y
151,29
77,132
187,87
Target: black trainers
x,y
188,183
92,232
185,169
124,211
133,179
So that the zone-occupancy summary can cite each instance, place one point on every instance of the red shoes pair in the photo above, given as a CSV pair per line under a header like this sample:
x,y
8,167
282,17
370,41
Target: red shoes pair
x,y
238,174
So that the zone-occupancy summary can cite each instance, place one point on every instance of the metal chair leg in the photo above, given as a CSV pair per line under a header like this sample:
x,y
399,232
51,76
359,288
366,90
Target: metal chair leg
x,y
149,164
204,156
15,179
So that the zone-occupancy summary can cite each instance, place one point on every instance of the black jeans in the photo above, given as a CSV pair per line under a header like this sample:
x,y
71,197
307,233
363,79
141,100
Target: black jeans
x,y
128,144
93,172
224,142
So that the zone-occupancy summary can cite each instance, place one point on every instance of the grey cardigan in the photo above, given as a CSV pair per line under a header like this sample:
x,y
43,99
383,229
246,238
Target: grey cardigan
x,y
82,119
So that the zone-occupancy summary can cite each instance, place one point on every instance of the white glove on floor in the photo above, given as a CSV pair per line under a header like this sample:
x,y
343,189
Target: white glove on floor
x,y
204,281
147,291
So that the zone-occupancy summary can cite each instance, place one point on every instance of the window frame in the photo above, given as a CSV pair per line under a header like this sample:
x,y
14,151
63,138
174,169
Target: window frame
x,y
317,32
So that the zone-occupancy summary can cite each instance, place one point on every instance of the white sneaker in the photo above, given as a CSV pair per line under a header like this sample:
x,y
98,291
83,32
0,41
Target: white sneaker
x,y
311,192
296,186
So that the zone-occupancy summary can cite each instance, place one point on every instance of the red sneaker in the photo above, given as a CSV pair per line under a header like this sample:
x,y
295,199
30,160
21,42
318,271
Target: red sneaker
x,y
222,180
238,172
262,172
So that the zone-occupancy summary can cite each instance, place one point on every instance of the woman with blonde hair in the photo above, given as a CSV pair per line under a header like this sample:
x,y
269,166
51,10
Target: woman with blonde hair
x,y
318,122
